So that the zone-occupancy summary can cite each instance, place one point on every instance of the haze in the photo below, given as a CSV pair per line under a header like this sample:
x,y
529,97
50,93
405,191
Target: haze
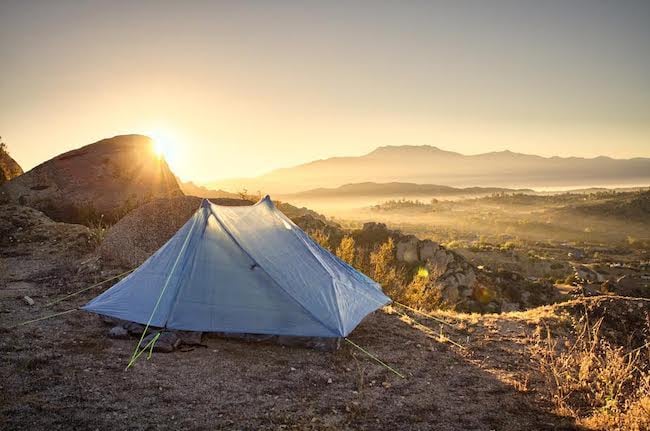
x,y
239,88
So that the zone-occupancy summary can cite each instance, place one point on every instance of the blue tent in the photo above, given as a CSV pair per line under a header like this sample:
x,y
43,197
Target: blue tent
x,y
245,269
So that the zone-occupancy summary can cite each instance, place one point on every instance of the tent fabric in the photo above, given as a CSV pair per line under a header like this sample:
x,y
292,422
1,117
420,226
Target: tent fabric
x,y
245,269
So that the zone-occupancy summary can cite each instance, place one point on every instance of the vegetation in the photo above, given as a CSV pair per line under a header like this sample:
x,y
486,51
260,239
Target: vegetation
x,y
599,384
414,286
346,250
98,230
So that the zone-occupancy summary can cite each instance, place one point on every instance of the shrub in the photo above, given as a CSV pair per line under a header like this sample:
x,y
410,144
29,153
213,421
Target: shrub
x,y
570,279
598,384
421,293
385,269
321,238
98,231
346,250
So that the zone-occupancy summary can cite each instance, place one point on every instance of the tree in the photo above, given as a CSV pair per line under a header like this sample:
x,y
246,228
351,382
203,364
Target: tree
x,y
384,266
321,238
3,147
346,249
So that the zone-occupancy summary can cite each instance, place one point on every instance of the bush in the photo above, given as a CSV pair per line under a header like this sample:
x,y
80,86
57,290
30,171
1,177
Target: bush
x,y
421,293
321,238
598,384
347,250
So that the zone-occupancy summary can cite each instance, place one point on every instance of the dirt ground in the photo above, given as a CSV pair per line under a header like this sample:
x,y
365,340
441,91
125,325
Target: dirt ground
x,y
65,373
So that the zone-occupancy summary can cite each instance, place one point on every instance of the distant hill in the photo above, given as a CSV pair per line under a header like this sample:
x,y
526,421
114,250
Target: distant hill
x,y
191,189
399,189
633,206
431,165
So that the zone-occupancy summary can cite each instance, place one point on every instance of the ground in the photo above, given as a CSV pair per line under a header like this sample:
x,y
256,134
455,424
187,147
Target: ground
x,y
66,373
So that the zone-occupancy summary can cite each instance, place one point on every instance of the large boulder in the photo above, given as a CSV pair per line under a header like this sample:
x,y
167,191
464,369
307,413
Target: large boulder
x,y
9,168
145,229
31,244
101,180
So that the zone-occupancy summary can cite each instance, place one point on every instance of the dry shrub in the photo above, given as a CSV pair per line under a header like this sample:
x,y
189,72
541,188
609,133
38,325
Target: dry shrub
x,y
322,238
98,231
347,250
422,294
601,385
385,269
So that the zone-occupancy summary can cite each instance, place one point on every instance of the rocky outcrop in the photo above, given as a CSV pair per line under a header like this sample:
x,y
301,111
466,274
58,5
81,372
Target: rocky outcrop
x,y
9,168
145,229
31,244
449,272
101,180
460,284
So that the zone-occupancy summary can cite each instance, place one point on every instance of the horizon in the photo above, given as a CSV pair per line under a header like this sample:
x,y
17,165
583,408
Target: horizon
x,y
161,149
238,90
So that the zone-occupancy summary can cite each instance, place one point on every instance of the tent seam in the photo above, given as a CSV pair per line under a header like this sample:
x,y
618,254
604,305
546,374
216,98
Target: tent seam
x,y
185,261
338,333
332,281
322,264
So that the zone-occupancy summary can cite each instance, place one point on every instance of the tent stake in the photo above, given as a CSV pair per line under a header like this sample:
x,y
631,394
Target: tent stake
x,y
382,363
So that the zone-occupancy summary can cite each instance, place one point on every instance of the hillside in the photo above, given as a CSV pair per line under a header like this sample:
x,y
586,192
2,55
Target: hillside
x,y
103,180
623,206
469,371
431,165
398,189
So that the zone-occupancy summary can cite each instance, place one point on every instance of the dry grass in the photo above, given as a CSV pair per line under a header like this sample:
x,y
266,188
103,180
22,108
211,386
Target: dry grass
x,y
600,385
98,230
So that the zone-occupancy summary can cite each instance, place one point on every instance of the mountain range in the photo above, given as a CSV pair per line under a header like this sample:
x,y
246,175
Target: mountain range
x,y
396,189
431,165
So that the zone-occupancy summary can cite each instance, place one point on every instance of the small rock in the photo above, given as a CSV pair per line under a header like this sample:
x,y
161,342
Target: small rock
x,y
118,332
190,338
329,381
28,300
133,328
167,342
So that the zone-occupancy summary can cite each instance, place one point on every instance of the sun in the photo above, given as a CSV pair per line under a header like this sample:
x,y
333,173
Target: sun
x,y
164,146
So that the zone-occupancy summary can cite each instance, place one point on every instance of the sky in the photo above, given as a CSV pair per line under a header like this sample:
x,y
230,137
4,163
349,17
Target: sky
x,y
235,89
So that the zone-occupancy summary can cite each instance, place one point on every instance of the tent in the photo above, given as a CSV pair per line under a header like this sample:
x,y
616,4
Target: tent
x,y
246,269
